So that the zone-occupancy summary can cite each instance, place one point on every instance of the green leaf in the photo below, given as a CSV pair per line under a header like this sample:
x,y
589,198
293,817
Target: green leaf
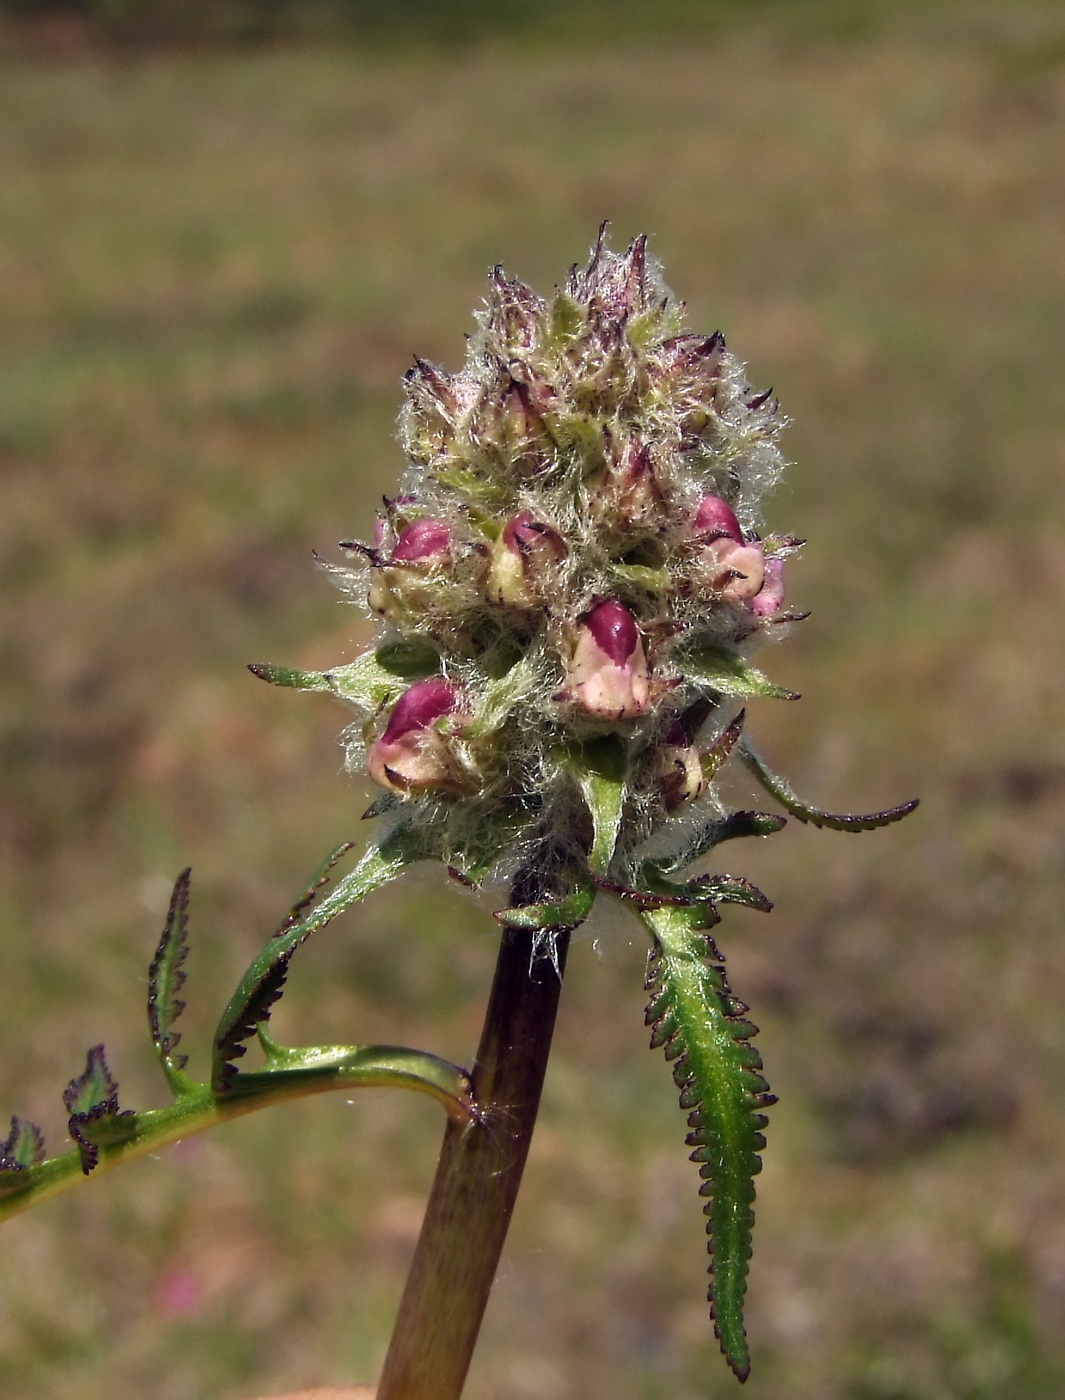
x,y
409,658
369,681
642,575
307,898
700,1025
289,676
264,980
166,977
502,694
568,912
481,490
707,889
730,828
94,1089
601,769
725,673
320,1068
23,1148
90,1099
803,812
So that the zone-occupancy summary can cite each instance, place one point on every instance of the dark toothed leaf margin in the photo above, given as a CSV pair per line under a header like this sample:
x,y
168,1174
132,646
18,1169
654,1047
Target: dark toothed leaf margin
x,y
23,1148
803,812
262,984
92,1102
166,977
701,1027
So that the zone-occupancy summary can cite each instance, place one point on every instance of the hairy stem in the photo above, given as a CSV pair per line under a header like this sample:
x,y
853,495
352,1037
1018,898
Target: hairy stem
x,y
478,1176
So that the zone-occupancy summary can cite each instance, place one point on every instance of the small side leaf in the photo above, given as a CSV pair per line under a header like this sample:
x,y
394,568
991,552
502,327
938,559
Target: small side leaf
x,y
262,984
725,673
23,1148
369,681
289,676
729,828
565,913
307,898
601,769
166,977
410,658
90,1099
803,812
700,1026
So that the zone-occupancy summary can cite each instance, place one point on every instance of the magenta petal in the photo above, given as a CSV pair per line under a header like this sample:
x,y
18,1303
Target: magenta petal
x,y
423,540
420,706
614,630
770,598
717,518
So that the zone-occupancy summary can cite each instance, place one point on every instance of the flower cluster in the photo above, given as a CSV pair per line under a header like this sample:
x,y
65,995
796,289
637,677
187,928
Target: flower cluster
x,y
574,553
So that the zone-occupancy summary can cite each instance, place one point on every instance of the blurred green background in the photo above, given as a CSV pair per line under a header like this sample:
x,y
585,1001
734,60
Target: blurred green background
x,y
220,245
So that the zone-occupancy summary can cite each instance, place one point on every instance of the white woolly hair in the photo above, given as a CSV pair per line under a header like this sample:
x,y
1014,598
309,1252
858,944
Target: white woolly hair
x,y
551,395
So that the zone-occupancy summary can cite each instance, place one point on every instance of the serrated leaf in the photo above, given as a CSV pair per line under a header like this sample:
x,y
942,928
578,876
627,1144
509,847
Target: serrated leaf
x,y
91,1099
307,898
95,1088
697,1021
601,770
166,977
707,889
23,1148
568,912
803,812
262,984
725,673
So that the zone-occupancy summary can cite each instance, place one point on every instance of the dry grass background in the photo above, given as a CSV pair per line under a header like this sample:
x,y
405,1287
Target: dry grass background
x,y
214,268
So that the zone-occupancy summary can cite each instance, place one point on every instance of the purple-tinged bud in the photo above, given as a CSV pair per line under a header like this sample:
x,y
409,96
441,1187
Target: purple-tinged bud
x,y
430,389
402,582
515,313
424,542
715,519
678,770
522,559
770,598
413,755
607,672
725,562
629,493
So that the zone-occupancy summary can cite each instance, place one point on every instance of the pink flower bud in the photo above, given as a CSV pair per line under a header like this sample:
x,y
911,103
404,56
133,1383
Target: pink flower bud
x,y
678,770
607,672
770,598
727,564
401,583
424,542
413,755
522,559
715,519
